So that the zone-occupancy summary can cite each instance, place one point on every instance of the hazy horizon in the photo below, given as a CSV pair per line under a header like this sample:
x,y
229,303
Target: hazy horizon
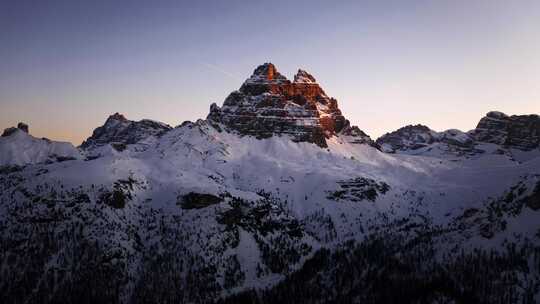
x,y
67,65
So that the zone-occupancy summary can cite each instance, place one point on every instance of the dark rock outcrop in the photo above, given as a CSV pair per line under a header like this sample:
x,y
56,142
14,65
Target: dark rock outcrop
x,y
416,137
9,131
358,189
268,104
20,126
354,135
411,137
23,127
304,77
194,200
120,131
520,132
517,131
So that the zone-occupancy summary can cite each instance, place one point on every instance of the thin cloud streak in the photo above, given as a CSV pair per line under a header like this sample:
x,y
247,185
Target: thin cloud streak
x,y
221,70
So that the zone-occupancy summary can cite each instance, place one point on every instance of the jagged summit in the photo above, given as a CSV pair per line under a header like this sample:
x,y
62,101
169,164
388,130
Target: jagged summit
x,y
117,117
19,148
21,126
269,104
421,139
410,137
266,73
517,131
265,79
202,214
120,131
496,114
304,77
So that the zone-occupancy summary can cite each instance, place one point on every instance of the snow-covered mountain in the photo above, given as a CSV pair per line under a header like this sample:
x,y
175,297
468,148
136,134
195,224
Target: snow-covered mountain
x,y
517,136
18,148
275,198
268,104
119,132
420,139
517,131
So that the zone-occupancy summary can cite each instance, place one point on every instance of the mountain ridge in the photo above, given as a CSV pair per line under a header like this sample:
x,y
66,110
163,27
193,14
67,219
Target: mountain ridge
x,y
319,118
208,212
268,103
516,132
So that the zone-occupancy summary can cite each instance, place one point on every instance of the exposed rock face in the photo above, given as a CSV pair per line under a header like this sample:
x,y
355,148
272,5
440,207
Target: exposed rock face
x,y
516,131
354,135
20,126
411,137
18,148
23,127
268,103
118,130
8,131
420,138
303,77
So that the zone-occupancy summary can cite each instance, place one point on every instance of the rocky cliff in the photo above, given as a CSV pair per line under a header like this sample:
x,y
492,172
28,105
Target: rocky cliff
x,y
269,104
120,131
504,133
517,131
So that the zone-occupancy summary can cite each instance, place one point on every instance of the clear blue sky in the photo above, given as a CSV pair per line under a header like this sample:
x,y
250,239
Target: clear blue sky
x,y
66,65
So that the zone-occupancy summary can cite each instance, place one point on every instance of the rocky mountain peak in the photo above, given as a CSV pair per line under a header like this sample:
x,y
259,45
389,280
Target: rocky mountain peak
x,y
117,117
410,137
265,78
266,72
19,148
517,131
120,131
417,139
21,126
304,77
521,132
269,104
496,115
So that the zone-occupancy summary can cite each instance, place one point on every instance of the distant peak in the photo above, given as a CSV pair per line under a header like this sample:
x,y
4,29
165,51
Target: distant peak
x,y
304,77
266,69
420,127
21,126
266,73
117,116
496,114
118,130
268,104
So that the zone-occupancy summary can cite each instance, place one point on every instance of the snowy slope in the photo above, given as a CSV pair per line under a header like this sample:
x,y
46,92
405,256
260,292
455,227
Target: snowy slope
x,y
21,148
516,136
201,213
300,179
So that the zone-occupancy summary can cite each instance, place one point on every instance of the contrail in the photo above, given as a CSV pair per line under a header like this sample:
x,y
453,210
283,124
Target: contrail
x,y
219,69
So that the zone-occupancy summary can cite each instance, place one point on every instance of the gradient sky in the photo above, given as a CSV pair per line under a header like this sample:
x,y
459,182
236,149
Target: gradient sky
x,y
66,65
